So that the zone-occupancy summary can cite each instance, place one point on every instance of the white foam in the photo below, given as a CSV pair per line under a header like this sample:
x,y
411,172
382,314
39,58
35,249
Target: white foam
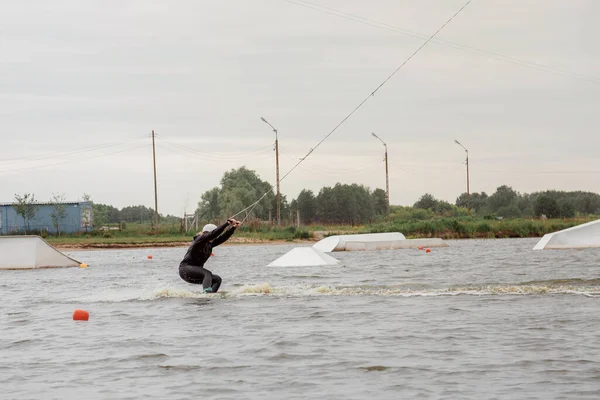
x,y
292,291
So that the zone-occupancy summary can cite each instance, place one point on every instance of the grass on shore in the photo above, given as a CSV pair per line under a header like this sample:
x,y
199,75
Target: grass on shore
x,y
144,234
443,227
469,227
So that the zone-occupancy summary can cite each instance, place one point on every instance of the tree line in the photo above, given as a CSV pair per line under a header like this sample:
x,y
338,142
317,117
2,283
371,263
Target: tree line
x,y
505,202
242,188
26,206
106,214
357,204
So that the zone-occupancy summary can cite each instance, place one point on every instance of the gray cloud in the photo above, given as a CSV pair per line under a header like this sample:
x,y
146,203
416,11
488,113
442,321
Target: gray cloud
x,y
78,74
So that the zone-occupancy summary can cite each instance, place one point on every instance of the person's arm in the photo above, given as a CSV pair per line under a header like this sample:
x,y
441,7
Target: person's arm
x,y
221,239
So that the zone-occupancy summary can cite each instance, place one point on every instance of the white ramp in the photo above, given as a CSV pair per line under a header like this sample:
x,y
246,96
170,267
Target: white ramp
x,y
375,241
577,237
393,245
341,242
29,252
304,257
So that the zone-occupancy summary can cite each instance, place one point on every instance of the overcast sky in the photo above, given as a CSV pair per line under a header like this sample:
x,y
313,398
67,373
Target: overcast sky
x,y
83,83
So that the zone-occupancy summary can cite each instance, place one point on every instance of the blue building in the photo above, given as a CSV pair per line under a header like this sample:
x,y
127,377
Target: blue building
x,y
78,217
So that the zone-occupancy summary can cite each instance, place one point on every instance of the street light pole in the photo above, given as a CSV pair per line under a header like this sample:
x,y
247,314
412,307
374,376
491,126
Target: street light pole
x,y
387,180
155,189
466,162
277,170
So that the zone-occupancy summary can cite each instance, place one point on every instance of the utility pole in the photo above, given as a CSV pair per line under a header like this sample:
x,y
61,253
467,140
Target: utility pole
x,y
155,189
387,177
468,190
277,170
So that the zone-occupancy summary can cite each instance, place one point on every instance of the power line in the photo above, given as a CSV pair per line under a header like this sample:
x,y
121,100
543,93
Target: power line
x,y
216,156
251,207
192,154
378,87
79,151
455,45
413,168
71,161
327,170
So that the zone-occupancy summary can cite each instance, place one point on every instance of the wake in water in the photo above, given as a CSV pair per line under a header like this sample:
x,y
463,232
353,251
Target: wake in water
x,y
563,287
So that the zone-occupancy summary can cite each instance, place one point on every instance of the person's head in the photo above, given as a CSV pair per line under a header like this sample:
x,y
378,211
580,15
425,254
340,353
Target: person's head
x,y
208,228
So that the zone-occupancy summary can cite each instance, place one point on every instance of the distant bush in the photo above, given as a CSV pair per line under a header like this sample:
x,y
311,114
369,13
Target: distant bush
x,y
303,235
511,211
484,227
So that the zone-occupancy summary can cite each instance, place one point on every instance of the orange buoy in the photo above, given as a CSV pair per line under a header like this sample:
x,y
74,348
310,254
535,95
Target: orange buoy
x,y
149,257
81,315
420,247
83,265
427,250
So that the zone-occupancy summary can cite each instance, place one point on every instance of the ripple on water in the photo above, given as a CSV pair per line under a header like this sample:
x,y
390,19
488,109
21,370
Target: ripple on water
x,y
456,323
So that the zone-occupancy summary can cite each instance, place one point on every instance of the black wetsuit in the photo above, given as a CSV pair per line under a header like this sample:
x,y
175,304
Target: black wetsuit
x,y
191,268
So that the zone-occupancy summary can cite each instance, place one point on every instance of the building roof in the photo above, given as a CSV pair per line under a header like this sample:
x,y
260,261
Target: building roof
x,y
46,203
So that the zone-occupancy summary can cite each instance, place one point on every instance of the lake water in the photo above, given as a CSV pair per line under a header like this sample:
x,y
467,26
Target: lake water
x,y
481,319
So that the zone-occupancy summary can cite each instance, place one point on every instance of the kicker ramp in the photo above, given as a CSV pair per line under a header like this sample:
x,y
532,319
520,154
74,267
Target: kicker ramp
x,y
304,257
374,241
577,237
30,252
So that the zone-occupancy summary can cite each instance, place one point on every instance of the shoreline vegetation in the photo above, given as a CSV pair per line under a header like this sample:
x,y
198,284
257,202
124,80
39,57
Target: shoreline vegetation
x,y
143,236
335,210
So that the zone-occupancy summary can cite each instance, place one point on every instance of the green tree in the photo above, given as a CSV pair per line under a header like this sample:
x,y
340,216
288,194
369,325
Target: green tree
x,y
241,188
284,207
567,209
525,202
379,201
326,205
293,208
170,219
104,214
547,205
26,207
307,205
587,203
59,210
366,208
209,207
443,207
346,204
503,197
511,211
137,213
426,202
478,201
